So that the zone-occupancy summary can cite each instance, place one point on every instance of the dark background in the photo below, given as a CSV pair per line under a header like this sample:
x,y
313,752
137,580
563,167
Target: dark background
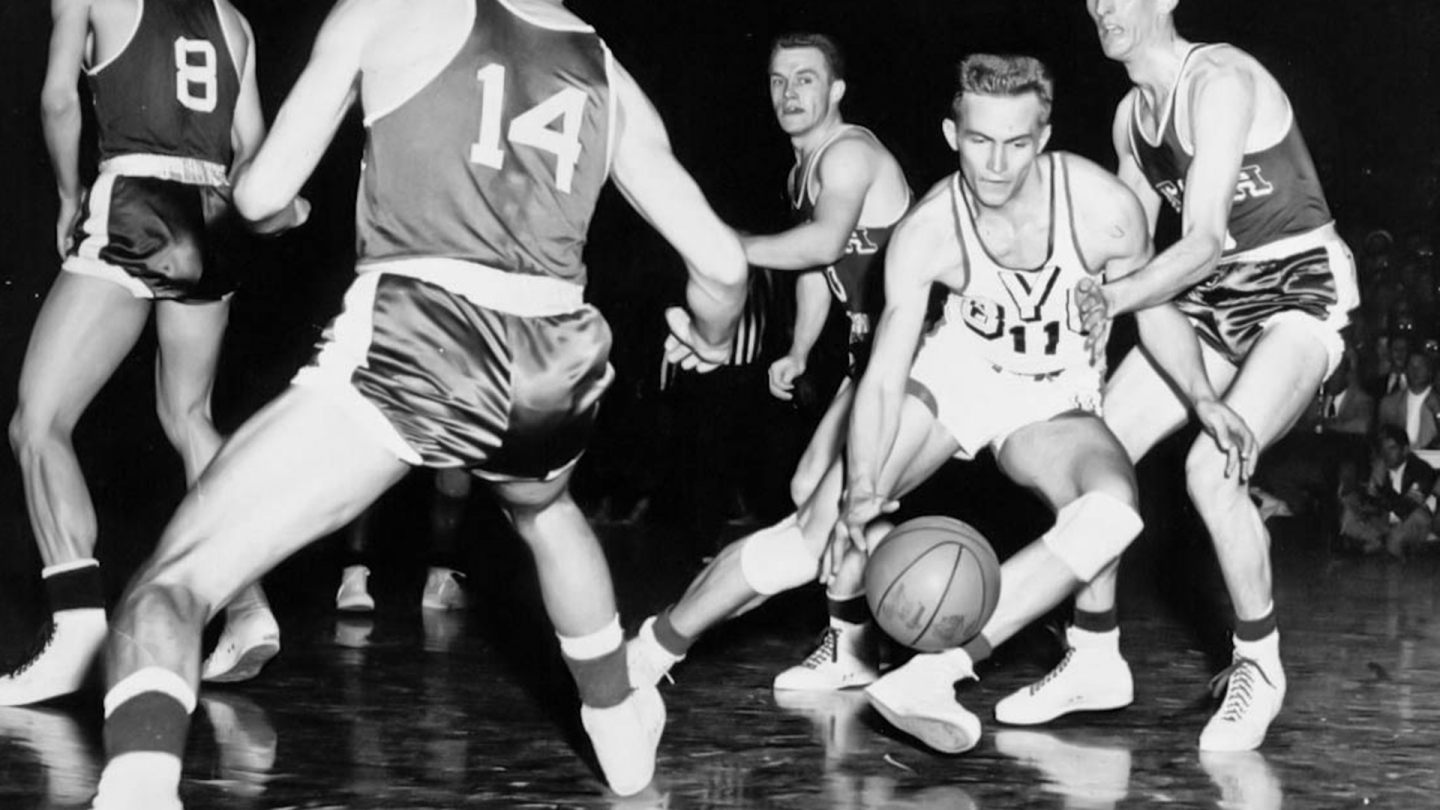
x,y
1361,76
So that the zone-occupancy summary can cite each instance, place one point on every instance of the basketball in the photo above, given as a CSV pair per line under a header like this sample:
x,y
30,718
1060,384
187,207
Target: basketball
x,y
932,583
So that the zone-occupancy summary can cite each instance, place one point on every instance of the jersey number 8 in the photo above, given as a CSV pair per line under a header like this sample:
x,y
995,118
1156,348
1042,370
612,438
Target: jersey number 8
x,y
195,78
530,128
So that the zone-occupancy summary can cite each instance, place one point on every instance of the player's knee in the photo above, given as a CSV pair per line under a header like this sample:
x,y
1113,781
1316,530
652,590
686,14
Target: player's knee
x,y
32,430
777,558
1092,531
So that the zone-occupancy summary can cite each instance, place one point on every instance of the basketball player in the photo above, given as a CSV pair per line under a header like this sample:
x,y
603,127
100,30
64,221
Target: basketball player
x,y
1014,235
464,342
174,90
1267,283
847,191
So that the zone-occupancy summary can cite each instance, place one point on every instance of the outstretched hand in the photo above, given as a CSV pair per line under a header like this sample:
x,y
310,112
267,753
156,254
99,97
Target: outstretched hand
x,y
1231,435
1094,317
687,348
858,510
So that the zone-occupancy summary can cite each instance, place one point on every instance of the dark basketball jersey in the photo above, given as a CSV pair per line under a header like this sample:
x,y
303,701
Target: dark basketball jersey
x,y
851,278
1277,194
172,89
497,160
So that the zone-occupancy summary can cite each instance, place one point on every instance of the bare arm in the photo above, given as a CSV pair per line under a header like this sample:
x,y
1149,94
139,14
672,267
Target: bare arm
x,y
1166,334
921,250
247,132
647,173
60,106
266,187
1221,111
846,172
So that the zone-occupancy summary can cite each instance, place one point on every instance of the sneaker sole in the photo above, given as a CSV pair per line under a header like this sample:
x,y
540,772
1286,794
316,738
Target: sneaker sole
x,y
1091,705
937,734
248,665
356,607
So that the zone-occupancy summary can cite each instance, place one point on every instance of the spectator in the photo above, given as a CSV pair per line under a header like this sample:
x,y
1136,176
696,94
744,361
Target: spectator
x,y
1395,510
1414,408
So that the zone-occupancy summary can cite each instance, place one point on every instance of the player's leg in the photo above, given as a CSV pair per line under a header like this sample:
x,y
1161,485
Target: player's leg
x,y
780,557
847,652
1075,463
1276,382
1141,409
624,722
297,470
84,330
447,510
189,337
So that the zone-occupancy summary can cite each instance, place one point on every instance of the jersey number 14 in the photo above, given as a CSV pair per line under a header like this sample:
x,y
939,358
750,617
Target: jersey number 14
x,y
530,128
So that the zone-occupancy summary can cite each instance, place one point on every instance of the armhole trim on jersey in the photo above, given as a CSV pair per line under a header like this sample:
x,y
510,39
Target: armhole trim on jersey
x,y
372,117
957,199
134,29
610,116
1070,212
225,32
534,20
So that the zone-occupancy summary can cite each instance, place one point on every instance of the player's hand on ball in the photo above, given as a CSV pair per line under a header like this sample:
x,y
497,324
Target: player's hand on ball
x,y
1231,435
783,373
687,348
1094,317
859,509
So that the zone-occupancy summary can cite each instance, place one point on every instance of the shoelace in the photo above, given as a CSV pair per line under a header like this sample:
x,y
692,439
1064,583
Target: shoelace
x,y
1054,673
827,652
1239,684
36,650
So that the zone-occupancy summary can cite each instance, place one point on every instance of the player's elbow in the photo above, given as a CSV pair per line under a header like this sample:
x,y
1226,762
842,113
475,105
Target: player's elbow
x,y
59,103
726,266
257,201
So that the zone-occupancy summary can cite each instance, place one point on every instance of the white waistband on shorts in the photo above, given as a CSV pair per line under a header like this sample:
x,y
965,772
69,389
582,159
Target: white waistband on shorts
x,y
191,171
512,293
1289,246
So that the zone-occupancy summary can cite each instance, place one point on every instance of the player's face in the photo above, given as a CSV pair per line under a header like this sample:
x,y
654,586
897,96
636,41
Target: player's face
x,y
997,139
802,92
1122,25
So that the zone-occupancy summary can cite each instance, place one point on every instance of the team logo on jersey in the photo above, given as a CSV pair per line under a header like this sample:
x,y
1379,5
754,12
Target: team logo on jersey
x,y
1036,329
1029,291
860,244
1251,185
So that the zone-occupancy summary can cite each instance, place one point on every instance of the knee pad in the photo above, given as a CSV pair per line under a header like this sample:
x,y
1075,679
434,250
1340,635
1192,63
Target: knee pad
x,y
1092,530
776,558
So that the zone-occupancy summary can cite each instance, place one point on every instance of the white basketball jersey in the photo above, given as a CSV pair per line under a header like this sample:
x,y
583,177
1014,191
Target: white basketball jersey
x,y
1023,321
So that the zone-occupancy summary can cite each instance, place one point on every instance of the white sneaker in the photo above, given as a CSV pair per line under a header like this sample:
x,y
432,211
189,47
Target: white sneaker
x,y
835,664
1092,676
248,642
442,590
919,699
1245,779
354,593
646,659
60,666
1090,774
1253,694
625,737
